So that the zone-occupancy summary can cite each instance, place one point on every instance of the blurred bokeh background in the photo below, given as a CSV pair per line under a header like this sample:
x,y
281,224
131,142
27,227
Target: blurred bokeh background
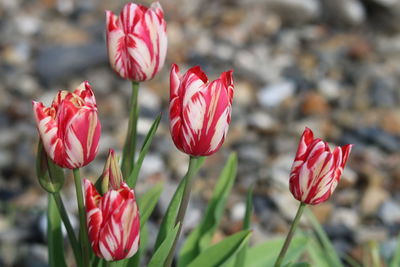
x,y
333,66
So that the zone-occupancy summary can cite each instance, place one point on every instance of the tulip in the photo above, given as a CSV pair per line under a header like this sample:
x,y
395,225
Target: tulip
x,y
137,41
113,222
70,128
112,175
200,112
316,170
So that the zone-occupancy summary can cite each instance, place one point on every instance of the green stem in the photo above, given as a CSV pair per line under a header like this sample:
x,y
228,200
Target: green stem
x,y
82,218
128,153
192,169
70,231
289,237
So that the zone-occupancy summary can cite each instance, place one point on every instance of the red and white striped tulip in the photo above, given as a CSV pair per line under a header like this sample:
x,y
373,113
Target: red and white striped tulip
x,y
70,128
137,41
316,169
200,112
113,222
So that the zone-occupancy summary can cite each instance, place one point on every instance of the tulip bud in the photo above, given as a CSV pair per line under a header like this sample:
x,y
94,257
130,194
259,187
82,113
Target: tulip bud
x,y
200,112
113,222
112,175
316,170
51,177
137,41
70,128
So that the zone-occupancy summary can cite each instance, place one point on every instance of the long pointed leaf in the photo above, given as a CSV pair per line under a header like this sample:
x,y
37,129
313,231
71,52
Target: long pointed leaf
x,y
329,250
148,201
54,235
222,252
241,257
160,255
169,219
201,236
131,181
266,253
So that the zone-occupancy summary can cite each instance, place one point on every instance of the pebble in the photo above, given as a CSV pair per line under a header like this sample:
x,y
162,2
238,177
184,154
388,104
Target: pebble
x,y
389,212
293,11
273,95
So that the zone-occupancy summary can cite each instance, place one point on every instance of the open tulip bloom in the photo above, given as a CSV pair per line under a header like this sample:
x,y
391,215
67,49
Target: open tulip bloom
x,y
70,128
200,112
137,41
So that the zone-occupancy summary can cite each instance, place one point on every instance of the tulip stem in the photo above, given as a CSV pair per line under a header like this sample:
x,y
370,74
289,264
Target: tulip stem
x,y
128,153
289,236
68,227
192,169
82,218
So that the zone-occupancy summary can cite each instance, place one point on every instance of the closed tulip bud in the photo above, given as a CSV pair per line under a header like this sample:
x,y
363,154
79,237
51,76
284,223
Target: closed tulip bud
x,y
316,169
70,128
200,112
137,41
112,175
113,222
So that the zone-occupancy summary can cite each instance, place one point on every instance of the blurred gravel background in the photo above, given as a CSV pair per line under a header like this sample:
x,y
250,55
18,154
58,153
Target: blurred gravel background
x,y
333,66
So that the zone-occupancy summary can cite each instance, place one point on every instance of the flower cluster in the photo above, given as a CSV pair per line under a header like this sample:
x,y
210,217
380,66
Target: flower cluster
x,y
199,113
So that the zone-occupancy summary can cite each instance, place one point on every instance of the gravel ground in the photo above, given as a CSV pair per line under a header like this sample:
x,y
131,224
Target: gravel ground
x,y
333,66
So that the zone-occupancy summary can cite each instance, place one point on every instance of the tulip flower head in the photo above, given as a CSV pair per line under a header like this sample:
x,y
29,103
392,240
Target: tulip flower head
x,y
200,112
137,41
70,128
113,222
316,169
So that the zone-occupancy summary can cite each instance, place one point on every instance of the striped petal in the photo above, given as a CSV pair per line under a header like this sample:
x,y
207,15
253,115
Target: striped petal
x,y
316,170
117,237
70,128
199,111
137,41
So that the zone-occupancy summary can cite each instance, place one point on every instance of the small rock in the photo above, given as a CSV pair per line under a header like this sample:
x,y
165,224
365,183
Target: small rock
x,y
314,104
389,212
347,217
322,211
263,122
293,11
273,95
237,212
366,234
329,88
372,198
59,62
345,12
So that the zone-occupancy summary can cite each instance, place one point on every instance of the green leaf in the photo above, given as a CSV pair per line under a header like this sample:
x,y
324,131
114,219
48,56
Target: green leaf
x,y
329,250
169,219
241,257
299,264
54,235
131,180
201,236
148,201
316,253
51,176
161,254
222,252
396,257
266,253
